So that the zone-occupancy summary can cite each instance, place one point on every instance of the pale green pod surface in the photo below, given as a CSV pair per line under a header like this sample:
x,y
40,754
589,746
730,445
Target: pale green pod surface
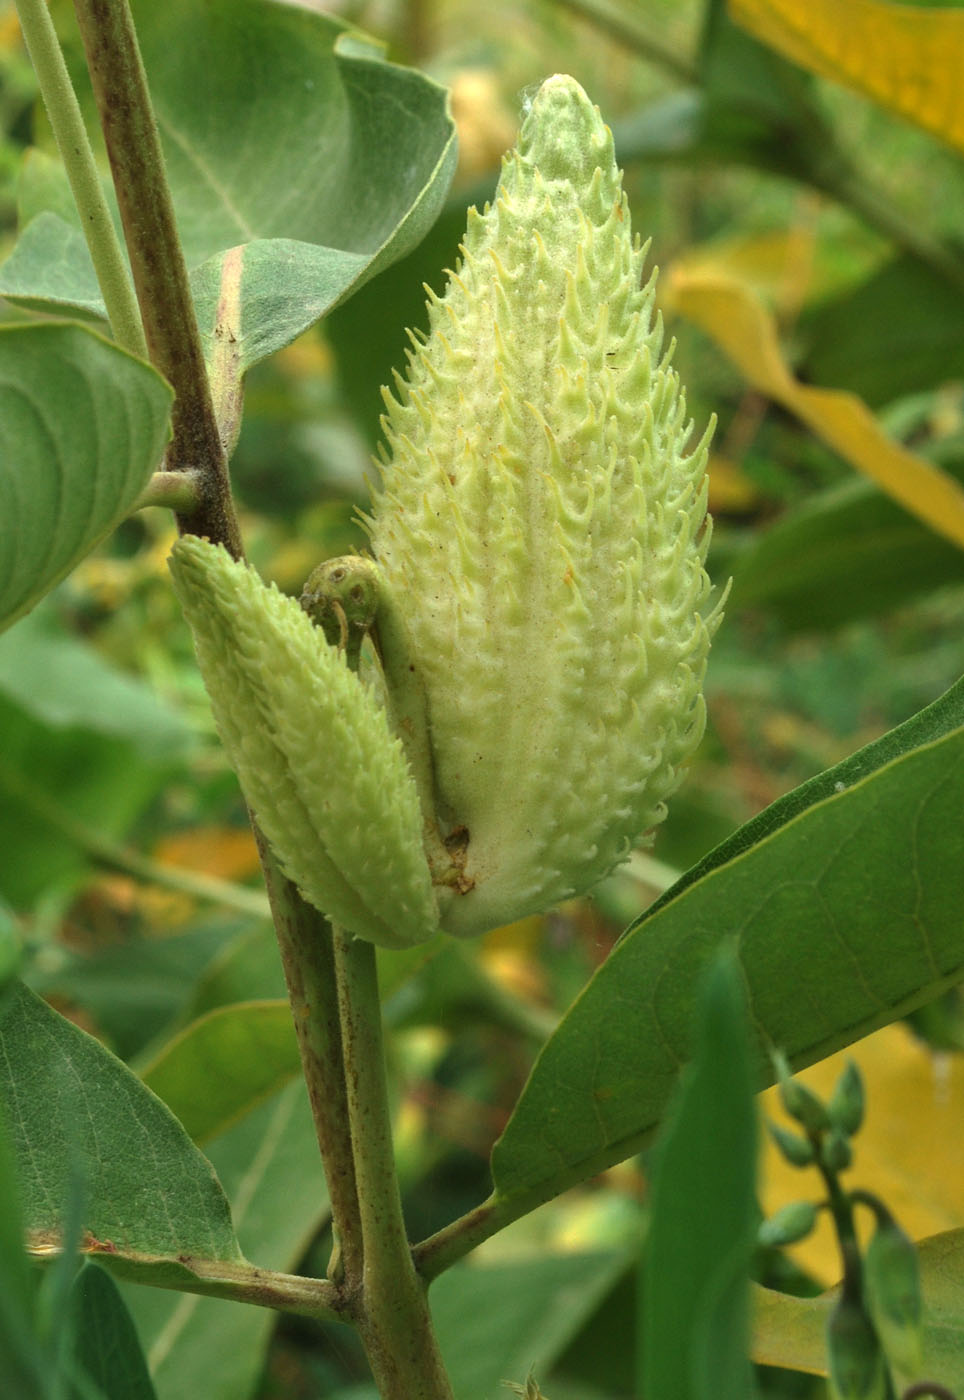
x,y
541,528
328,782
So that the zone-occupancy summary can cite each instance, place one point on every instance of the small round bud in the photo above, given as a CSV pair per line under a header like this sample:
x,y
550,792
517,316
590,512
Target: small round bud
x,y
846,1106
791,1223
798,1151
800,1102
857,1367
835,1151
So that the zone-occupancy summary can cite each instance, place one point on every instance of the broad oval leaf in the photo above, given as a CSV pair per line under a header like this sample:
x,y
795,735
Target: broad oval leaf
x,y
82,427
906,57
844,906
301,163
224,1064
151,1200
272,1173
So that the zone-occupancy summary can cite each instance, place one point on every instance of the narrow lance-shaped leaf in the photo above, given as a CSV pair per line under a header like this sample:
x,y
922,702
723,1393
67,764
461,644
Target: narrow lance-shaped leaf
x,y
694,1302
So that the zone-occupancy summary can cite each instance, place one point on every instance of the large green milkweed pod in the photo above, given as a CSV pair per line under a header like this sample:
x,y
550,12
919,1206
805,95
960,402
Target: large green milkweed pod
x,y
540,530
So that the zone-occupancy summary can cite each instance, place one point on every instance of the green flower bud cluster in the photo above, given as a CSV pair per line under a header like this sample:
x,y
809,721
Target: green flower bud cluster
x,y
827,1128
877,1321
537,600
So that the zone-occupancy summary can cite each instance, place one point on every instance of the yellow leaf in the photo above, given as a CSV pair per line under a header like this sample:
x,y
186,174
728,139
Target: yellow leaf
x,y
730,314
907,58
908,1151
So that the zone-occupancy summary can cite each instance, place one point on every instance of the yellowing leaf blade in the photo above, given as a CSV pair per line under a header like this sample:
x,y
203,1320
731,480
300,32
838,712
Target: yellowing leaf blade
x,y
908,59
736,320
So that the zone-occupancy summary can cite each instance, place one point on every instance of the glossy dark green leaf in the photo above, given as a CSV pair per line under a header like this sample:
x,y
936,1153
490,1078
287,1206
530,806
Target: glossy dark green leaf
x,y
107,1351
694,1313
843,903
82,427
300,161
150,1198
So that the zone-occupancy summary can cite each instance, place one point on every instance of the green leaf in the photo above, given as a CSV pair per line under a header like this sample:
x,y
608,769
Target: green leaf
x,y
21,1364
300,162
933,722
106,1346
843,902
134,990
60,789
895,334
496,1321
272,1174
847,553
64,684
234,1056
790,1332
695,1297
247,968
9,947
224,1064
151,1199
756,108
82,427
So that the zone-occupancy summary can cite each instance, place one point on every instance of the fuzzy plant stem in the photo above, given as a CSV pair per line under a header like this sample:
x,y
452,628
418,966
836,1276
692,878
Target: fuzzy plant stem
x,y
157,261
73,142
392,1317
305,941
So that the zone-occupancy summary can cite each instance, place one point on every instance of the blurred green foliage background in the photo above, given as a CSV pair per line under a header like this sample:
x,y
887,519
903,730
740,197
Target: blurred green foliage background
x,y
845,224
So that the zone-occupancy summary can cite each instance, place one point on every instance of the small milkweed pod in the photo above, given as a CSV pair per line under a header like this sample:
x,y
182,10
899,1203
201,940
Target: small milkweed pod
x,y
326,779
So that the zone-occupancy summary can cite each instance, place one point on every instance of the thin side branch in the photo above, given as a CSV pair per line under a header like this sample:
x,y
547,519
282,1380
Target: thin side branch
x,y
305,941
393,1318
73,143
